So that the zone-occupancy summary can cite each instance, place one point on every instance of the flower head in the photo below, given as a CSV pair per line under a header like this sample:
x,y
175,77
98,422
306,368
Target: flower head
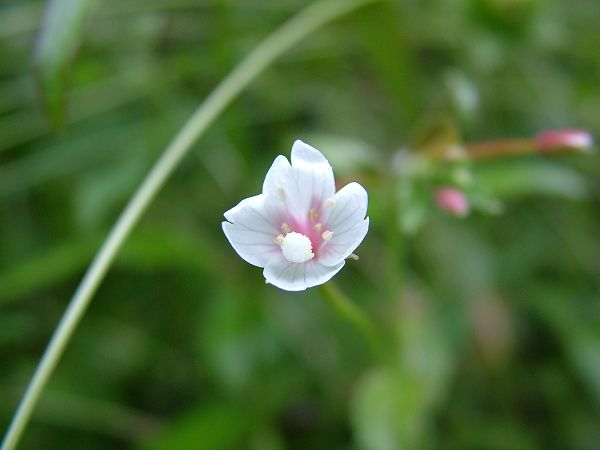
x,y
452,201
299,229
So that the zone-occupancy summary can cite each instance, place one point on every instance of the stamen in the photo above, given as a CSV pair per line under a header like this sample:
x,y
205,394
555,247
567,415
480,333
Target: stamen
x,y
279,239
330,202
312,214
285,228
318,226
353,257
327,235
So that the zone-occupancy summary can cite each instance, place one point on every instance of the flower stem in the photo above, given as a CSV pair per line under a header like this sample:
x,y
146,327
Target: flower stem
x,y
357,317
555,142
501,148
276,44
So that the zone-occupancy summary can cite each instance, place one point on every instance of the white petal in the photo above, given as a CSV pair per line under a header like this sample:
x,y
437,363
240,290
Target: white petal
x,y
349,208
314,175
303,185
342,245
251,230
298,276
278,172
346,220
306,155
231,214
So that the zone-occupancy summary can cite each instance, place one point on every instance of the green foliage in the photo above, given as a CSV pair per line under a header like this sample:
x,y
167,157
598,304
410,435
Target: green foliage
x,y
213,427
394,404
491,321
61,34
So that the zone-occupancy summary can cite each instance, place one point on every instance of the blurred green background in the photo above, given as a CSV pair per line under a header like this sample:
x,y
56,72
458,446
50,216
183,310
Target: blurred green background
x,y
493,320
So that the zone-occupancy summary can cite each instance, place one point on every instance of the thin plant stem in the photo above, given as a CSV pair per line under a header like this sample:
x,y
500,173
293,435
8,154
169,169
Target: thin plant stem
x,y
501,148
276,44
355,316
514,147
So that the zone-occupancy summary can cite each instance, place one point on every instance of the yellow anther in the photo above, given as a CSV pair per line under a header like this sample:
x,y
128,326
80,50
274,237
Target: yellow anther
x,y
327,235
330,202
312,214
279,239
285,228
318,226
353,257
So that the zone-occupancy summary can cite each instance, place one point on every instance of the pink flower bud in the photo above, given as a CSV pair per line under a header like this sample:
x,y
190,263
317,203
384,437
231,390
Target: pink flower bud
x,y
452,201
550,140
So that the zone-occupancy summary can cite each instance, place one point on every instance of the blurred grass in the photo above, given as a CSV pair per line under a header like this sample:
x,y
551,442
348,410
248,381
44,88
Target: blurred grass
x,y
494,319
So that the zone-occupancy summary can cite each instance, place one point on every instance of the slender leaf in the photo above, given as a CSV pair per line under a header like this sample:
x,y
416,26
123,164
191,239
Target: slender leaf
x,y
62,32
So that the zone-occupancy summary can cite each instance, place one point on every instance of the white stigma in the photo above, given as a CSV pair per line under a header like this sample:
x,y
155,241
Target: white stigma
x,y
296,248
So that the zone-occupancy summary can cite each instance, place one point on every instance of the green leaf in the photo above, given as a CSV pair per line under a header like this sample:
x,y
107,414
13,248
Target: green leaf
x,y
235,340
46,268
393,405
391,410
102,191
148,250
387,45
509,179
218,427
62,30
379,411
413,205
578,335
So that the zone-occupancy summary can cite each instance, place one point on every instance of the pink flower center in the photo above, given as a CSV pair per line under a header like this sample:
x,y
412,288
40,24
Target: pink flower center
x,y
309,226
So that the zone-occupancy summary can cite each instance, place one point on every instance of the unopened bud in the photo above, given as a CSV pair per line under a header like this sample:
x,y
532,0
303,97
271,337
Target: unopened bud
x,y
452,201
574,139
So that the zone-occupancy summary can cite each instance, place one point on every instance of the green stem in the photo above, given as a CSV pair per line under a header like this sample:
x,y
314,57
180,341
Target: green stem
x,y
276,44
501,148
357,317
515,147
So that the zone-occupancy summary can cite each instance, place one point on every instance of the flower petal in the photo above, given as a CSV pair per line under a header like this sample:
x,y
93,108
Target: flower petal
x,y
298,276
277,174
304,155
314,174
349,208
346,220
303,185
251,230
342,245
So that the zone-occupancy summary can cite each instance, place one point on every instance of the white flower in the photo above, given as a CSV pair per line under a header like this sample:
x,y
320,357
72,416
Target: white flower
x,y
299,229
